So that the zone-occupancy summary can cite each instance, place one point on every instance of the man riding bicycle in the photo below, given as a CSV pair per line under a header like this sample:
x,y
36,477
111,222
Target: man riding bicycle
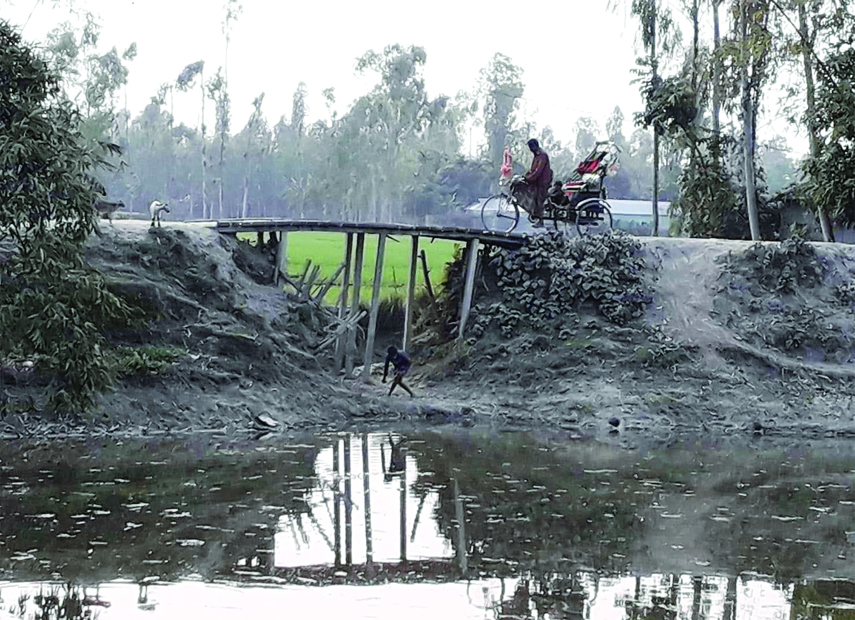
x,y
532,190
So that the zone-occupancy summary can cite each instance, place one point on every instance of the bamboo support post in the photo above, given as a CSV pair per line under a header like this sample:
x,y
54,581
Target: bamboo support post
x,y
341,343
375,308
348,506
301,282
326,286
310,282
342,328
404,513
281,257
460,515
472,247
418,516
366,487
350,349
259,237
411,292
337,502
426,272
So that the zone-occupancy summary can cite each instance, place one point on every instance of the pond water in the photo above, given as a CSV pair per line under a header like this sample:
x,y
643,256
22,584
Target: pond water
x,y
448,523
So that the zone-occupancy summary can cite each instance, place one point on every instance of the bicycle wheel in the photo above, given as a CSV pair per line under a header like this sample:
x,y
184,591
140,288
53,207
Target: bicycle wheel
x,y
500,214
593,217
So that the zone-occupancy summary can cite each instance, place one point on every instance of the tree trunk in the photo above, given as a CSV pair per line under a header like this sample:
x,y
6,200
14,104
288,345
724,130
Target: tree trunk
x,y
729,612
748,132
716,77
220,213
222,157
655,231
697,583
245,196
695,43
824,221
204,161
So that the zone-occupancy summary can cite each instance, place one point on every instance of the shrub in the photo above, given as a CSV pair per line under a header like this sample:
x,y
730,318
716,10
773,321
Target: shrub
x,y
52,305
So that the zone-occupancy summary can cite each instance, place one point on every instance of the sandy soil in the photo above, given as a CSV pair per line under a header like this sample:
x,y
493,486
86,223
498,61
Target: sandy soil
x,y
251,350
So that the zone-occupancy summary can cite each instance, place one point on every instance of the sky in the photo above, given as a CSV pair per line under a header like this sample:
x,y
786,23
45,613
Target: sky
x,y
577,56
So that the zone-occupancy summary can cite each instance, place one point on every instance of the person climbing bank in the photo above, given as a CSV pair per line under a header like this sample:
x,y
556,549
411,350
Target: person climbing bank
x,y
401,364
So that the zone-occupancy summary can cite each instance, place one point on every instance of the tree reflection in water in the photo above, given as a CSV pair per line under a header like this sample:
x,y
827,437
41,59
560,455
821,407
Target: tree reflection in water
x,y
665,533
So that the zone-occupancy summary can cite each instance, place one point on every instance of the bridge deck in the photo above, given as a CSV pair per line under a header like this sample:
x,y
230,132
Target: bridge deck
x,y
234,226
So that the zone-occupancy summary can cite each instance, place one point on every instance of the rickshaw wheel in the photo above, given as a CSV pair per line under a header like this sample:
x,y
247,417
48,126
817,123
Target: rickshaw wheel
x,y
593,217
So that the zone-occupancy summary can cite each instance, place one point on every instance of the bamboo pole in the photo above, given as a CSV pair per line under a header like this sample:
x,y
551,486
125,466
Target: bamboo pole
x,y
366,487
348,506
281,256
404,512
375,308
472,247
354,306
462,559
341,342
337,502
426,272
411,292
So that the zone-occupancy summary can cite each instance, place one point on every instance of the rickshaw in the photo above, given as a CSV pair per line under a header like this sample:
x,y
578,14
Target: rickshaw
x,y
580,202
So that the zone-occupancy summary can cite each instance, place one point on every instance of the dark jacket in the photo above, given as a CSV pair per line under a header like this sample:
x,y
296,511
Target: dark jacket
x,y
540,175
399,361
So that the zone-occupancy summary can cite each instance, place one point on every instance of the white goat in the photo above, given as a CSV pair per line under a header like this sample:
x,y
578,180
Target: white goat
x,y
157,208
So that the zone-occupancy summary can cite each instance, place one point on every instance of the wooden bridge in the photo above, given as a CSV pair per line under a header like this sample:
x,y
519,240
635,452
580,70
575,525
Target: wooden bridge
x,y
352,267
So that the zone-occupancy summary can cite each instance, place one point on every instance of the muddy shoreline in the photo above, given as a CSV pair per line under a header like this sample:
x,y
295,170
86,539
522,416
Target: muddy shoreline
x,y
249,352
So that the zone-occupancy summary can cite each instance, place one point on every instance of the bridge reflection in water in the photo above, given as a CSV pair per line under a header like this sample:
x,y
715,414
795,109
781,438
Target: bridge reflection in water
x,y
474,526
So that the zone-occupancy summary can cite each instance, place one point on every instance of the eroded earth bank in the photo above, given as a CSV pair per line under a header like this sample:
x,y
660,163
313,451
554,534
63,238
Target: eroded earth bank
x,y
613,337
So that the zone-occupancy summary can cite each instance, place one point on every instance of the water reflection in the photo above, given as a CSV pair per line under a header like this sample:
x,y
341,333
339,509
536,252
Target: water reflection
x,y
508,526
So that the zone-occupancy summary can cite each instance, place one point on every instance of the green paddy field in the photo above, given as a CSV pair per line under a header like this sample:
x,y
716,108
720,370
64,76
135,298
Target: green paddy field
x,y
327,250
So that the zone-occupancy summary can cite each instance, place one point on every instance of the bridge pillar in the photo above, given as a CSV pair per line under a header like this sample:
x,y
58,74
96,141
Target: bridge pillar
x,y
354,306
281,256
411,292
341,342
375,308
472,247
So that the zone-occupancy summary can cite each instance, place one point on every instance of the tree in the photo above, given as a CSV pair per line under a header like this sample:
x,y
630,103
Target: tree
x,y
256,135
831,172
815,29
298,112
500,88
185,81
52,304
392,115
753,50
218,93
232,9
653,21
587,135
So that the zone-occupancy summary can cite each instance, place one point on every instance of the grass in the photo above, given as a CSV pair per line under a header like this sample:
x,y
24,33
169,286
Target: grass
x,y
327,250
